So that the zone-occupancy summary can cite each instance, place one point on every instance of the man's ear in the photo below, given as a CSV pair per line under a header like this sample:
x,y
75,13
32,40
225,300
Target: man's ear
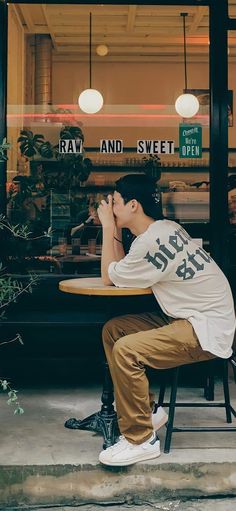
x,y
134,204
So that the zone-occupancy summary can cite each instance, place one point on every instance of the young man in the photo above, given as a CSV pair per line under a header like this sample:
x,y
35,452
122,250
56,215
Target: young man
x,y
197,321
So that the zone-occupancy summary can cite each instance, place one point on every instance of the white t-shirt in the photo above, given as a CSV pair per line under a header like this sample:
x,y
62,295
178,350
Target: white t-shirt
x,y
185,280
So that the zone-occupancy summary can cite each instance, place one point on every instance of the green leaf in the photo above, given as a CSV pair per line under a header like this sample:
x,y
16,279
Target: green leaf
x,y
46,150
21,139
4,384
38,137
19,411
19,338
27,133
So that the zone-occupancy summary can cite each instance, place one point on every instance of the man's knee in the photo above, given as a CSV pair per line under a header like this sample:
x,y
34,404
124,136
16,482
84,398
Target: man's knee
x,y
112,330
122,349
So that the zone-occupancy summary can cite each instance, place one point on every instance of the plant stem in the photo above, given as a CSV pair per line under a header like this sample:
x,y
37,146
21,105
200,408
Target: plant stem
x,y
17,338
18,294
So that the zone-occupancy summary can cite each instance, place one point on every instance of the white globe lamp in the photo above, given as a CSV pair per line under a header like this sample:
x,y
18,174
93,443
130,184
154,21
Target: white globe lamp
x,y
90,101
187,105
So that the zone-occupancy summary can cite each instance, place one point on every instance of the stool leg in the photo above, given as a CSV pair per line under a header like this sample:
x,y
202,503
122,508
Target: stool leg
x,y
233,364
210,381
209,388
169,429
162,391
226,391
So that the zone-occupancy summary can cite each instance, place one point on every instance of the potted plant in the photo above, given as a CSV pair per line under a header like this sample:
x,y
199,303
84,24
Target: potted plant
x,y
152,166
30,144
4,146
11,290
76,166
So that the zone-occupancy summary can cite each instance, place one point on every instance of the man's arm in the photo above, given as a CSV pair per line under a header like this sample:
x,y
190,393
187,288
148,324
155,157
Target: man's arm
x,y
112,250
118,244
109,252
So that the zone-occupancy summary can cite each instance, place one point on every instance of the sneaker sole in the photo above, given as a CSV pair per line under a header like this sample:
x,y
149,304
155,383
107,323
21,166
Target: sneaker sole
x,y
145,457
160,424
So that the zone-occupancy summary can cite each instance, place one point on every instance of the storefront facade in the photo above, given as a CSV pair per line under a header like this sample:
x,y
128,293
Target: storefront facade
x,y
139,94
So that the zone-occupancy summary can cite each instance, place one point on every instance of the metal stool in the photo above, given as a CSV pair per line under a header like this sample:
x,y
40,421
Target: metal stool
x,y
170,428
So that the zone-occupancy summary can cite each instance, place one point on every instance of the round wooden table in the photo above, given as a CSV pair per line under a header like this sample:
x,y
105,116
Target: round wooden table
x,y
95,287
104,421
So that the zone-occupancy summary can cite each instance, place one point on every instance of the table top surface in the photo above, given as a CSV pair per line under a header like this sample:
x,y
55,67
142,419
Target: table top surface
x,y
94,287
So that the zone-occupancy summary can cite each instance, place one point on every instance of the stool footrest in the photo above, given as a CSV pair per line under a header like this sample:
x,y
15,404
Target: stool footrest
x,y
199,405
199,429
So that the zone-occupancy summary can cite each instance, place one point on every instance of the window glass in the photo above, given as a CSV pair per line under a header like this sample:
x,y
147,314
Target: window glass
x,y
137,64
232,8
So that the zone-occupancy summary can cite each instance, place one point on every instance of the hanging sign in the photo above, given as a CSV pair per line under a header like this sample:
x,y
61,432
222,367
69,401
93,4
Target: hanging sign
x,y
70,146
111,146
190,141
155,146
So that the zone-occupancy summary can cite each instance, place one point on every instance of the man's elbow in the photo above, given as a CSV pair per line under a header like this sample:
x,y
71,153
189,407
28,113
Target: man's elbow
x,y
107,282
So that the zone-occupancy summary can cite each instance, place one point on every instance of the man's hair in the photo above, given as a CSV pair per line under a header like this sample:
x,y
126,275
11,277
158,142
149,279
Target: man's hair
x,y
145,190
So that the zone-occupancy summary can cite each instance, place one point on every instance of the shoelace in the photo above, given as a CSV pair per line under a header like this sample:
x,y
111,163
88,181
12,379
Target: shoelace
x,y
120,441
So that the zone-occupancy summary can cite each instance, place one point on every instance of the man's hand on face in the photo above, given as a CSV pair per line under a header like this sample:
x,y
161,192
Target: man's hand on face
x,y
105,213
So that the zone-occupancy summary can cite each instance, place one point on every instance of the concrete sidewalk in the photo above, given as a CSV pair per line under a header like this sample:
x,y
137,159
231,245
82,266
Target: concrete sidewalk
x,y
43,463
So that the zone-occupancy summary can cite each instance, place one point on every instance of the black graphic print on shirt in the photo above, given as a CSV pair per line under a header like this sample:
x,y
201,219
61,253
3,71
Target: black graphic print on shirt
x,y
192,263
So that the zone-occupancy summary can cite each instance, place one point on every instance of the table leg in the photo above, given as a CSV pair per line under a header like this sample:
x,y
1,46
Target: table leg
x,y
104,421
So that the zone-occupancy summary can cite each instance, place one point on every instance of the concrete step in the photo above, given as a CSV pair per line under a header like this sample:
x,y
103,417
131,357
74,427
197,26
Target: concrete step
x,y
42,463
221,504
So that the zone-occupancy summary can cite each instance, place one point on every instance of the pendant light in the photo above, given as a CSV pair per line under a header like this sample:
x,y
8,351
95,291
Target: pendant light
x,y
90,100
102,50
186,105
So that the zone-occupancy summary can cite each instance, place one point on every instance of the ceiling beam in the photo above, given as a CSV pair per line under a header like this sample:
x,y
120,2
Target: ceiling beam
x,y
50,26
27,18
144,59
15,9
39,29
141,40
131,18
198,17
138,51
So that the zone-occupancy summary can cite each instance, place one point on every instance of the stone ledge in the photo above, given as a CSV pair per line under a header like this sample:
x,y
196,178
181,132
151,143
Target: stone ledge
x,y
144,482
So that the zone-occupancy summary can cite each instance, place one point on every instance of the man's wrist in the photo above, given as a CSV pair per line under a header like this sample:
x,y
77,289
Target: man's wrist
x,y
108,230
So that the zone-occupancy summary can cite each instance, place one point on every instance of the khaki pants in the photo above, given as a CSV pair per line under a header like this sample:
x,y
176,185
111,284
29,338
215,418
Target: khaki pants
x,y
132,342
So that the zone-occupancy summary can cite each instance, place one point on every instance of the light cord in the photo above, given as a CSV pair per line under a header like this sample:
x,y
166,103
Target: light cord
x,y
184,14
90,50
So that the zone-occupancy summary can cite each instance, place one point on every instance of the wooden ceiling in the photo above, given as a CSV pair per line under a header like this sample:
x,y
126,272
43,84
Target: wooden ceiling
x,y
132,33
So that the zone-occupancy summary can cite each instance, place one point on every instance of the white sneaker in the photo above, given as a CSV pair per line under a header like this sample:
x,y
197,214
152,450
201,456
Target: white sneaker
x,y
159,418
124,453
